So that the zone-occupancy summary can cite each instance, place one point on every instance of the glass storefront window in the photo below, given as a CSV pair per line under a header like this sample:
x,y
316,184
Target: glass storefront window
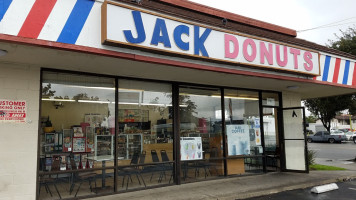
x,y
145,137
242,118
270,99
82,132
77,112
200,133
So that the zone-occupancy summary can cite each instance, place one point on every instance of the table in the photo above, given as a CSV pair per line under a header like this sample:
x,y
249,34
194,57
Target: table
x,y
103,160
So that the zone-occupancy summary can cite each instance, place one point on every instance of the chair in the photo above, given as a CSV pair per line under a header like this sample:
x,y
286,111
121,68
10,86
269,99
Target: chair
x,y
81,177
272,158
157,167
167,166
47,180
134,169
207,164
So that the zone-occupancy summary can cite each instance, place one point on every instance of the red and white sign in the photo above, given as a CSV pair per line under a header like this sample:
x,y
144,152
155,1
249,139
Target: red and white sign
x,y
13,110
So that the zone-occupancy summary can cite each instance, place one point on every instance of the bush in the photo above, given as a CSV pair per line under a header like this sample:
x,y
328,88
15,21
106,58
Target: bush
x,y
311,157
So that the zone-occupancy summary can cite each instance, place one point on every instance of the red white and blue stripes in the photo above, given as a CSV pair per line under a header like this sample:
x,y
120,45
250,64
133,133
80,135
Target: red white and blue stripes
x,y
79,22
337,70
53,20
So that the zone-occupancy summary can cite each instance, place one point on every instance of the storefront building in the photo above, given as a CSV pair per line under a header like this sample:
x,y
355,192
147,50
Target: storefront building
x,y
103,97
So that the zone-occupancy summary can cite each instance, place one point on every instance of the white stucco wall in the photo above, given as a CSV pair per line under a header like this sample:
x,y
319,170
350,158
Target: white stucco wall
x,y
291,99
18,141
293,129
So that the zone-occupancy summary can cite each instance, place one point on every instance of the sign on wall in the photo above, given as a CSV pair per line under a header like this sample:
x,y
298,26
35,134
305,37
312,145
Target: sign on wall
x,y
238,139
13,110
129,26
191,148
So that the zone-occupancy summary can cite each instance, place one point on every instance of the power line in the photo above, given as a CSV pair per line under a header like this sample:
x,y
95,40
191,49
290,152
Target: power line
x,y
329,25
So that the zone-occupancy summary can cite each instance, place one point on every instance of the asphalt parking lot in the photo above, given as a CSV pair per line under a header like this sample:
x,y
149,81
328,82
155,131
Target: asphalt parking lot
x,y
346,191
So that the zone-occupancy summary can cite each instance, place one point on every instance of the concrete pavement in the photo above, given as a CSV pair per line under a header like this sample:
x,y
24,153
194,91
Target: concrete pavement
x,y
238,187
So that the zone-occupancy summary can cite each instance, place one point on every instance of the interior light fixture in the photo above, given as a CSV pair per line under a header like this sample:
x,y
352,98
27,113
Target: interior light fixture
x,y
68,100
292,87
90,101
224,21
137,1
240,98
91,87
149,104
3,52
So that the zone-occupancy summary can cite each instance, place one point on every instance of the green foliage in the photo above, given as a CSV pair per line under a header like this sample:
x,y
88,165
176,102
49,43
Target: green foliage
x,y
325,167
311,157
326,108
188,110
84,96
346,42
47,92
311,119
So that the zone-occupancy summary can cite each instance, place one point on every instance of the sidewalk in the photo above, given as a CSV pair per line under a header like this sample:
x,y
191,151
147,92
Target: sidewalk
x,y
238,187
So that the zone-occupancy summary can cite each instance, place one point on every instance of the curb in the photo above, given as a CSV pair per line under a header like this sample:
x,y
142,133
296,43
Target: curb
x,y
265,192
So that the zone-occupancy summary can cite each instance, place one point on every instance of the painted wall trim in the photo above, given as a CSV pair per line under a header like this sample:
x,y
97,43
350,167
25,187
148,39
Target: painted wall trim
x,y
134,57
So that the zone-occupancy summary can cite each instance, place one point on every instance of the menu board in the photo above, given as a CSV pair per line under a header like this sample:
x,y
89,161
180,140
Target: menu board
x,y
191,148
238,138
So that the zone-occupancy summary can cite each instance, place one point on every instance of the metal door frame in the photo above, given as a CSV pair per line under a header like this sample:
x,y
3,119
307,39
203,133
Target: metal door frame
x,y
284,168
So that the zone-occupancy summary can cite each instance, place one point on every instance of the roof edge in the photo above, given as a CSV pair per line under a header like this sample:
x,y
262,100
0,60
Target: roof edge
x,y
231,16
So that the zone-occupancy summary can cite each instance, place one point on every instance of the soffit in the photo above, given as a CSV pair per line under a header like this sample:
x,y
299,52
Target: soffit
x,y
67,60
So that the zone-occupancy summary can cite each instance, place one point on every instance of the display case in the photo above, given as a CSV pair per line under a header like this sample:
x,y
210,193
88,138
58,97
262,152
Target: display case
x,y
129,143
104,145
90,133
53,142
49,142
67,140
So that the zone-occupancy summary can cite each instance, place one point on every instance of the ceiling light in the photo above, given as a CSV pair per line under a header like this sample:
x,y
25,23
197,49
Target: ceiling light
x,y
3,52
292,87
70,100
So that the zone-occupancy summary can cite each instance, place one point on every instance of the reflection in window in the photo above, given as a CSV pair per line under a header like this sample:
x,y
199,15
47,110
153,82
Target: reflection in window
x,y
78,123
200,133
243,133
145,137
270,99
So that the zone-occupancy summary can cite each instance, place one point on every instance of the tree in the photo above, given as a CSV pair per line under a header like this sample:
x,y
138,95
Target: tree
x,y
327,108
346,42
47,92
311,119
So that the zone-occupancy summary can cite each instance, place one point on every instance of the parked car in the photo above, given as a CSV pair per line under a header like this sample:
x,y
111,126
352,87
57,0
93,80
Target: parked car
x,y
354,137
350,135
337,132
325,136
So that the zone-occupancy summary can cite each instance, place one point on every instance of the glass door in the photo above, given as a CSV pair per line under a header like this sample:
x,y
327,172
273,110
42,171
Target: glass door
x,y
271,138
294,139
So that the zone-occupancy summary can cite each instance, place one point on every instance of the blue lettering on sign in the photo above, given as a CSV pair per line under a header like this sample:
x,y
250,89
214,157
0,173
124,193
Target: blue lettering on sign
x,y
160,27
238,129
141,35
178,32
199,41
160,35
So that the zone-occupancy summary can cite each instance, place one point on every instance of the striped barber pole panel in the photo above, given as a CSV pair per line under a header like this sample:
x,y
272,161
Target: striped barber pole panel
x,y
53,20
337,70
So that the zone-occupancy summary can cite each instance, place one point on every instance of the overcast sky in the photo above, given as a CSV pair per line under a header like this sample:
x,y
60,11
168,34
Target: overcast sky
x,y
296,14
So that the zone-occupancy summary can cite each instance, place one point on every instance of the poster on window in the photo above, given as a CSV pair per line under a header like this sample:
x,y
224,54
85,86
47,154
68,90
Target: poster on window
x,y
258,136
191,148
238,137
13,110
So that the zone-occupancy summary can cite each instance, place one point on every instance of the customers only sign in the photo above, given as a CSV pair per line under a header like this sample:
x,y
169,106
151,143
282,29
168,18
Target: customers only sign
x,y
127,26
13,110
